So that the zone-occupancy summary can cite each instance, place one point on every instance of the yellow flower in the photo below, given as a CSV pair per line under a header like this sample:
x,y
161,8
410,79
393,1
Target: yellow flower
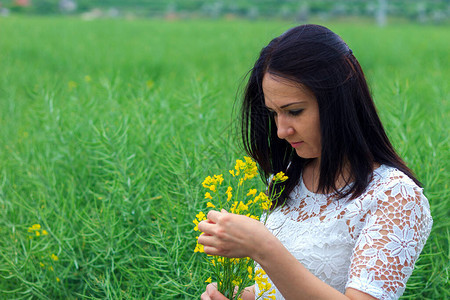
x,y
34,227
208,280
233,207
195,221
218,178
201,216
229,194
208,195
252,192
242,207
235,260
44,232
38,233
150,83
57,279
41,264
240,165
209,204
54,257
72,85
199,248
280,177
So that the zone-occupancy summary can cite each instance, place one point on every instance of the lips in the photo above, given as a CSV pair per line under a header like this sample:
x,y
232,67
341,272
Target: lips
x,y
295,144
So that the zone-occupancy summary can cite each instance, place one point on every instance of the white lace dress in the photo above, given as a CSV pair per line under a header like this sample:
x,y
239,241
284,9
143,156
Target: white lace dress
x,y
370,243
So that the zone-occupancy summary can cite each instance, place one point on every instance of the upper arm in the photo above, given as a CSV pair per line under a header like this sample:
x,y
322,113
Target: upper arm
x,y
390,242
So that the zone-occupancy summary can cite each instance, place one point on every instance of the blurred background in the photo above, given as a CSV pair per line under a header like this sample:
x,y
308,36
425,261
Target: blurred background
x,y
430,11
112,113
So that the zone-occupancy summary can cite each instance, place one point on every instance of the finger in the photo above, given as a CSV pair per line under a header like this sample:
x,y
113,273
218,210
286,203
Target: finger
x,y
213,215
205,296
206,226
213,293
211,286
207,240
212,251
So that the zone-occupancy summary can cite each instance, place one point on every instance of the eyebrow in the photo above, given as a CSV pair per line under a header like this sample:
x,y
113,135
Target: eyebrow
x,y
287,105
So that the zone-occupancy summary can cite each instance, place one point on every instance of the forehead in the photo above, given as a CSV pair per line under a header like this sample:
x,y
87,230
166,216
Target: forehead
x,y
279,91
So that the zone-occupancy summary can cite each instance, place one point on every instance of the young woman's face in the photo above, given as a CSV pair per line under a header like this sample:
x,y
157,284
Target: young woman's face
x,y
296,114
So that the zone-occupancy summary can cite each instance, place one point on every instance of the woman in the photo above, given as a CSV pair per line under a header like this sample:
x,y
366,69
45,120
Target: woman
x,y
352,218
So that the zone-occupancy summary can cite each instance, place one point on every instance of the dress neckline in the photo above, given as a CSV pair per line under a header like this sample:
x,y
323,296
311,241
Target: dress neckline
x,y
377,172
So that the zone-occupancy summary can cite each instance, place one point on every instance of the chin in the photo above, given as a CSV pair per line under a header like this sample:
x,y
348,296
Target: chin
x,y
306,155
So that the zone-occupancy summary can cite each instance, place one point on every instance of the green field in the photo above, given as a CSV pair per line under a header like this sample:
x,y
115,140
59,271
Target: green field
x,y
108,128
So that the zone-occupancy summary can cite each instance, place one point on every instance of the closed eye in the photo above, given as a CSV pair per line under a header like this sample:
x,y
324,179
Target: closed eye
x,y
295,112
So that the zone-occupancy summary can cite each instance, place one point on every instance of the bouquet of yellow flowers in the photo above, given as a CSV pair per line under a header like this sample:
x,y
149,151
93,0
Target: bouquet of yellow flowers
x,y
234,274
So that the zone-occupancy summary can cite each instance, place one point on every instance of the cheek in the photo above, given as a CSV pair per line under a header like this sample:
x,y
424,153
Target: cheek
x,y
317,134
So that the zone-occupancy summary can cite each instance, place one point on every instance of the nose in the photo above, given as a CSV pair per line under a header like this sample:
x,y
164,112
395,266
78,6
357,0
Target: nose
x,y
284,127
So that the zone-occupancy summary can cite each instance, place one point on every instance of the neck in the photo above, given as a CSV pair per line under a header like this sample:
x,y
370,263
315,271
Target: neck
x,y
311,176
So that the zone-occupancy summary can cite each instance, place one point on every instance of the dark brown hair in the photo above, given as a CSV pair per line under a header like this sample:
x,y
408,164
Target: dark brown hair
x,y
351,131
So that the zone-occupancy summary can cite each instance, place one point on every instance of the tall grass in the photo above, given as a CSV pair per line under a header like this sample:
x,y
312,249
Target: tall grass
x,y
108,127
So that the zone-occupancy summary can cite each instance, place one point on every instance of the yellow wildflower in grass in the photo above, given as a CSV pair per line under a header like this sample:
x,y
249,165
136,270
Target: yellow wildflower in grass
x,y
241,207
263,284
72,85
195,221
234,274
57,279
211,183
252,192
150,83
199,217
199,247
236,282
280,177
229,193
209,280
54,257
34,227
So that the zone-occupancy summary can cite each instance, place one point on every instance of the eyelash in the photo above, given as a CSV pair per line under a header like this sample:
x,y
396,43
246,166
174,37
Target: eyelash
x,y
291,112
295,112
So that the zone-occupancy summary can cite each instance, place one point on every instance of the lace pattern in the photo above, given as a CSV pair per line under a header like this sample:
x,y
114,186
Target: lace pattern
x,y
370,243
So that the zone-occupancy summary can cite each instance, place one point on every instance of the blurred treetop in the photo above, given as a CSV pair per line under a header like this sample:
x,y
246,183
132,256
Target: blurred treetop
x,y
418,10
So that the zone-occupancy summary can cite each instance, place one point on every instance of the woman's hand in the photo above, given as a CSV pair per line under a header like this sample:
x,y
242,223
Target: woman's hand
x,y
231,235
212,293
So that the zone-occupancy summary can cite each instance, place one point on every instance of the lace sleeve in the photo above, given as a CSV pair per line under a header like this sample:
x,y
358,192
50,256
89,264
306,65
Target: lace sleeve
x,y
391,239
